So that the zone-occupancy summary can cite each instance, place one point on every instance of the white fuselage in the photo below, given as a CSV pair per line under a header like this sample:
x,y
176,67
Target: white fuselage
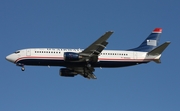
x,y
55,57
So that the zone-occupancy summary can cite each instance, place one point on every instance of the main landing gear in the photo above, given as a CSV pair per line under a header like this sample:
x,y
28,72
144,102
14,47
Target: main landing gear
x,y
88,65
88,72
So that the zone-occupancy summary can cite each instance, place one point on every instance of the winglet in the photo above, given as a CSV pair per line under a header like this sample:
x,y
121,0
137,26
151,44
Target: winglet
x,y
157,30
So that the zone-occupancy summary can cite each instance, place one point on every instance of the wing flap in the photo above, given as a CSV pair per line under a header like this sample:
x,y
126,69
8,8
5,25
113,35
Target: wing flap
x,y
87,72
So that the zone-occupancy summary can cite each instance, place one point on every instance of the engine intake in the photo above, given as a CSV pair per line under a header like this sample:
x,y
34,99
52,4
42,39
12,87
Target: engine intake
x,y
71,56
66,72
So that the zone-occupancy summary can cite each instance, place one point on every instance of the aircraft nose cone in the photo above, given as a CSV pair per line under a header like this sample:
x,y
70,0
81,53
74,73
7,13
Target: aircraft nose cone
x,y
10,58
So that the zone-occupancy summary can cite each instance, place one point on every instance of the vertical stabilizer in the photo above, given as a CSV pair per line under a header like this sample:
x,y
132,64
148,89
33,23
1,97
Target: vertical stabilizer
x,y
150,42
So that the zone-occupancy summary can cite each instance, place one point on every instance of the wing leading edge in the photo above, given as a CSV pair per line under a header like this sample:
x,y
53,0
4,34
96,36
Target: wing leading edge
x,y
97,47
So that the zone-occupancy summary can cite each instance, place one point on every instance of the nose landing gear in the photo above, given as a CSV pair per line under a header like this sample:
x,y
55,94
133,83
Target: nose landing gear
x,y
22,69
22,66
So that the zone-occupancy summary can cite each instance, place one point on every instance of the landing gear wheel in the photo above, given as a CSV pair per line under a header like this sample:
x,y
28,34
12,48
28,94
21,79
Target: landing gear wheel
x,y
87,60
88,65
85,74
22,69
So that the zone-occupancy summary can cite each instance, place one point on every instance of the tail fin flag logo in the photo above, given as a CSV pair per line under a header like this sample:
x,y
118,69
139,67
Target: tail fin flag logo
x,y
152,42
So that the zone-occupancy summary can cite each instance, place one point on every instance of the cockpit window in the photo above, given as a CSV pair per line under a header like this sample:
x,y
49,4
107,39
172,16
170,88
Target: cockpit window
x,y
17,52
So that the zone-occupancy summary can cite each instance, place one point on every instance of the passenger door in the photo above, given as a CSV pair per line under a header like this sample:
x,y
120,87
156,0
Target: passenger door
x,y
28,52
135,55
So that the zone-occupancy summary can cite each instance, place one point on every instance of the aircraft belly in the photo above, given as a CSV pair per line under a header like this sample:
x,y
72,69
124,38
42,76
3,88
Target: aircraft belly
x,y
42,62
116,64
45,62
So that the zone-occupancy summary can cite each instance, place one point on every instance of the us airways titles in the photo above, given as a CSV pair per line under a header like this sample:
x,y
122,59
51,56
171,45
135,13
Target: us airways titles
x,y
59,49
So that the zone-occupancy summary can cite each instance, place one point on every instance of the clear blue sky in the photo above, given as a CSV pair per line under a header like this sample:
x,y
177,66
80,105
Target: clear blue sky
x,y
76,24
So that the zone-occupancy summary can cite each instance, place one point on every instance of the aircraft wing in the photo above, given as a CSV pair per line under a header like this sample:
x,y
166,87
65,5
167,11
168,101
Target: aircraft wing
x,y
96,48
90,55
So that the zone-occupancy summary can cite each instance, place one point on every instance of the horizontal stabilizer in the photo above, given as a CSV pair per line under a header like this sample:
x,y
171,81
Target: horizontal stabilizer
x,y
159,50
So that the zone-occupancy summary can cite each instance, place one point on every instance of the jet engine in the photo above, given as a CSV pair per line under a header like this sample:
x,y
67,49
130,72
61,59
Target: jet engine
x,y
67,72
71,56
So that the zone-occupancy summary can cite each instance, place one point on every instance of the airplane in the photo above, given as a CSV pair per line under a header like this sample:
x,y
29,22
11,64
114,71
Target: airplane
x,y
84,61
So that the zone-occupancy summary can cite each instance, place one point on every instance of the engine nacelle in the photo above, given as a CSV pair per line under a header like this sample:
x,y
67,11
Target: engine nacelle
x,y
71,56
66,72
